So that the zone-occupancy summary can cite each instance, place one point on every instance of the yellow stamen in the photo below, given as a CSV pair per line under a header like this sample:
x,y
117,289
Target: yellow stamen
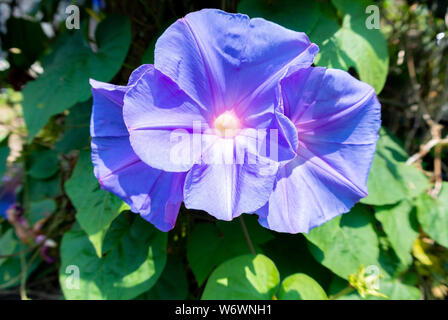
x,y
227,125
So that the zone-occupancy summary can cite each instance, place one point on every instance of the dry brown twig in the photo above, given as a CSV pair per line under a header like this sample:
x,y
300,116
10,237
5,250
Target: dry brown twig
x,y
438,180
437,143
426,148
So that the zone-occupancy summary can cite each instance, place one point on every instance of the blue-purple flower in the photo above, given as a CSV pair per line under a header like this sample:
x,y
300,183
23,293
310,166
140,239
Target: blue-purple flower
x,y
7,200
155,194
337,119
232,119
8,188
98,5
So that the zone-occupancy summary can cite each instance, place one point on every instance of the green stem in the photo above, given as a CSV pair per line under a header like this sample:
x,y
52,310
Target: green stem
x,y
24,272
341,293
246,234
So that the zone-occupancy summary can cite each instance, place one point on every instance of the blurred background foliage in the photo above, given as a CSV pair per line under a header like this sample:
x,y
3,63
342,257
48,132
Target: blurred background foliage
x,y
54,217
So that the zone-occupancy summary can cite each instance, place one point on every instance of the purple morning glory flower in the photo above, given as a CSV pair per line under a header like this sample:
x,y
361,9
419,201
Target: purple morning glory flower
x,y
214,81
337,118
232,119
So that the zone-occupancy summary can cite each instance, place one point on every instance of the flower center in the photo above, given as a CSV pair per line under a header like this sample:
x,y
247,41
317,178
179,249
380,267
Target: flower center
x,y
227,125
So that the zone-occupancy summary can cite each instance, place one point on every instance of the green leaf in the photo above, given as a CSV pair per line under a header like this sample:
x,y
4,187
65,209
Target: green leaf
x,y
346,242
44,164
11,268
10,272
224,241
299,15
134,258
400,225
433,215
172,284
391,179
67,76
352,44
389,261
40,189
391,146
8,244
27,36
96,208
76,128
248,277
342,45
40,210
4,153
394,289
299,286
291,255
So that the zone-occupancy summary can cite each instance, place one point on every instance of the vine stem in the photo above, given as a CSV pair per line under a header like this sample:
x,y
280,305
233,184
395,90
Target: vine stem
x,y
341,293
23,274
246,234
426,148
437,134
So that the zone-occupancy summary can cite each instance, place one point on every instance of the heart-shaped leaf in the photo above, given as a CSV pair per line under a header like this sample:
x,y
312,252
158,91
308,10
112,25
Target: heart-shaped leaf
x,y
65,81
433,215
248,277
299,286
95,208
221,242
134,258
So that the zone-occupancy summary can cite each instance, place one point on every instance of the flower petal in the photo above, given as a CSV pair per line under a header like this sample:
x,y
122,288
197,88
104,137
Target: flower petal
x,y
225,60
158,114
107,111
282,135
138,73
155,194
337,118
331,106
340,123
230,182
304,197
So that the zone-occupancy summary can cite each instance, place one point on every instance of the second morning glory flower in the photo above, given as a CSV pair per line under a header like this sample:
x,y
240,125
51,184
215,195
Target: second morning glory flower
x,y
215,81
337,118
